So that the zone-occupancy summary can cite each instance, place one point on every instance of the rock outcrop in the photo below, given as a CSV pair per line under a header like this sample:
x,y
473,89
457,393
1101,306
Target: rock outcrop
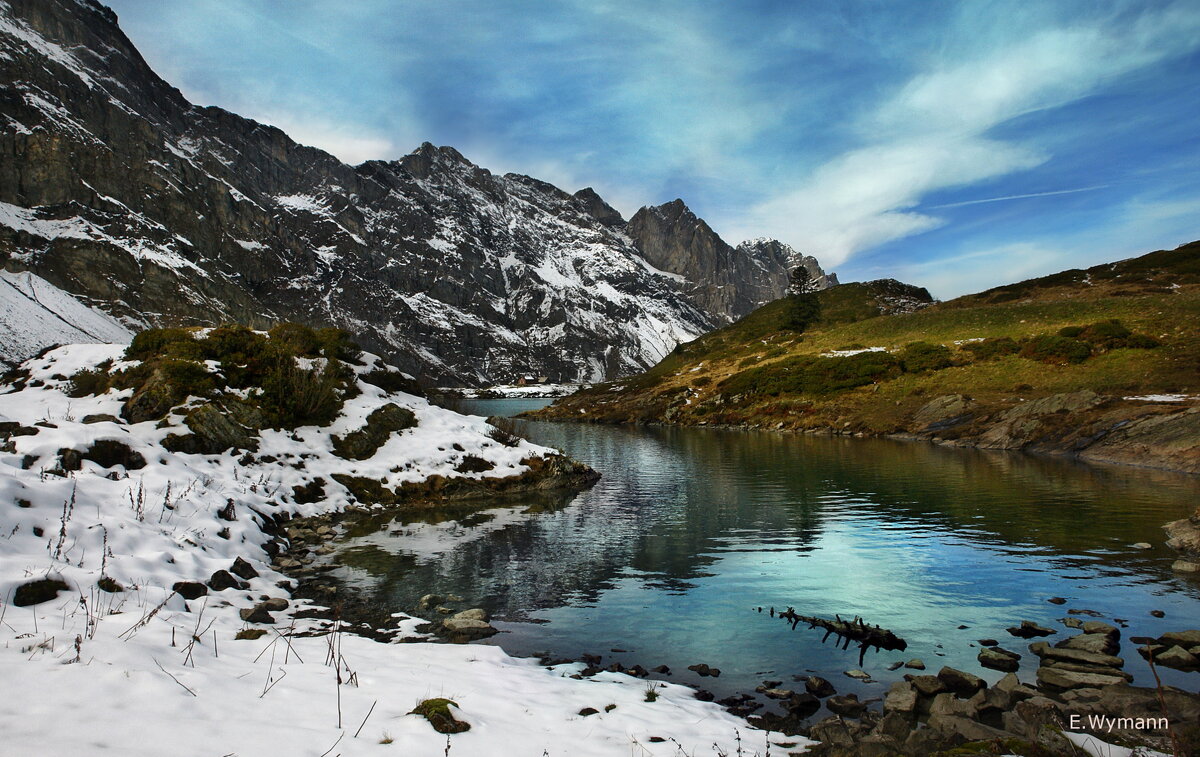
x,y
725,280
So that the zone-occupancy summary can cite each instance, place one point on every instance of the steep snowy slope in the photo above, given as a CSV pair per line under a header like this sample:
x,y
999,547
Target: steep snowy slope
x,y
35,314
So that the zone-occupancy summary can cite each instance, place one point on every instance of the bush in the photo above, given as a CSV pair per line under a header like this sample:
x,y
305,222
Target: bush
x,y
805,374
336,344
88,382
294,396
992,347
296,338
1058,350
1070,332
1106,334
803,311
919,357
151,342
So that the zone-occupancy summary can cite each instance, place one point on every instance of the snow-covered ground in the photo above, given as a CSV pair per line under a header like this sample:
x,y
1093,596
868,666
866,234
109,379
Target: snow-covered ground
x,y
515,391
142,671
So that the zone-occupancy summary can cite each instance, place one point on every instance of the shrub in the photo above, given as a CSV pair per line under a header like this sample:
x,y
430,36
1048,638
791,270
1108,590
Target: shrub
x,y
1070,332
88,382
151,342
805,374
1058,350
296,338
992,347
919,357
294,396
336,344
1105,334
803,311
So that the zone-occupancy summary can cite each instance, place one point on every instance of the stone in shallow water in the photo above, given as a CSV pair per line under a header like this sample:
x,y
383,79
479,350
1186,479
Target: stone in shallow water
x,y
1177,657
997,658
858,674
915,664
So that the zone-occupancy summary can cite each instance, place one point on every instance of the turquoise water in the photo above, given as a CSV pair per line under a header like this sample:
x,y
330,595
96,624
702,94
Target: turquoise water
x,y
690,530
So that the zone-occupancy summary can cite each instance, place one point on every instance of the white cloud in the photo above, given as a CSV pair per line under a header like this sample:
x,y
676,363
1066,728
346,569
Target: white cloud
x,y
932,133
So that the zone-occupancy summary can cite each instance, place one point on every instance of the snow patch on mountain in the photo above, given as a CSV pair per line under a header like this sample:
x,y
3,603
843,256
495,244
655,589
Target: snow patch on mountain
x,y
35,314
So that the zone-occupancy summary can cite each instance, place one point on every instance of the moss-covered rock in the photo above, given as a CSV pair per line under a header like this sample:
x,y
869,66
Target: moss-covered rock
x,y
213,432
36,592
381,424
439,715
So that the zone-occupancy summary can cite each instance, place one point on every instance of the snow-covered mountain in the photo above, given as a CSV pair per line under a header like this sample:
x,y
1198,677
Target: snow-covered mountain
x,y
35,314
116,189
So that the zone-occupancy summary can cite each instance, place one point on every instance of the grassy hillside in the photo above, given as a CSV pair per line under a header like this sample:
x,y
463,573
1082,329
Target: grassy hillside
x,y
784,366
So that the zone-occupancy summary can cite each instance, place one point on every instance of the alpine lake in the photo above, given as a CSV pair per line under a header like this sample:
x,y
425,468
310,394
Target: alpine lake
x,y
678,555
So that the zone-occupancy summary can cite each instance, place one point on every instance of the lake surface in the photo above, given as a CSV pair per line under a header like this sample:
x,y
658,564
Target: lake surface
x,y
690,530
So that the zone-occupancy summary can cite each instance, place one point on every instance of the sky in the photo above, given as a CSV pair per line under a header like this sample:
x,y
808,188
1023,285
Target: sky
x,y
954,145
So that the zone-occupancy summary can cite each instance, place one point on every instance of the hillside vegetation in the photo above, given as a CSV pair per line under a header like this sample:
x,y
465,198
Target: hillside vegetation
x,y
844,360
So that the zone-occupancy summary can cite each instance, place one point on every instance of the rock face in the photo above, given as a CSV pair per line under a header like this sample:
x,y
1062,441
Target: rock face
x,y
115,189
728,281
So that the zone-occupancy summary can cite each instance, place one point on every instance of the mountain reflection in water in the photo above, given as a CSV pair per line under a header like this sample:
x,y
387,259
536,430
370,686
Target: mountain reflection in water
x,y
690,530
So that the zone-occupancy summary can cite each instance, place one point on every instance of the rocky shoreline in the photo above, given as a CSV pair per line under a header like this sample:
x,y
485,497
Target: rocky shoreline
x,y
1080,684
1080,425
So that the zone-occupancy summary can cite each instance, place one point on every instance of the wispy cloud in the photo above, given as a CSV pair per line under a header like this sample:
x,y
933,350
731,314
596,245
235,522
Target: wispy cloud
x,y
934,132
1025,196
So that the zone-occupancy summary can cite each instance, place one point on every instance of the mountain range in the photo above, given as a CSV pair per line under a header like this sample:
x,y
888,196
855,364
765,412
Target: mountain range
x,y
119,191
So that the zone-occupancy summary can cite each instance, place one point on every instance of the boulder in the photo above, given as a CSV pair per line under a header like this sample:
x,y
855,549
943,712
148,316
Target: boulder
x,y
948,704
927,686
190,589
942,412
1177,657
846,705
967,729
915,664
1057,678
468,628
857,674
1181,638
1098,643
222,580
1079,656
1183,535
475,613
901,697
1028,630
960,683
1078,668
1097,626
274,604
999,659
1012,686
256,614
212,433
243,569
819,687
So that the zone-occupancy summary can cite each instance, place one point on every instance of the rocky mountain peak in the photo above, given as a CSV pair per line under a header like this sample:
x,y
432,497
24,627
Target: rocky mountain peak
x,y
595,206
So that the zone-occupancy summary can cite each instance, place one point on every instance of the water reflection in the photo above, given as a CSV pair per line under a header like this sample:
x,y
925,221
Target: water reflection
x,y
690,529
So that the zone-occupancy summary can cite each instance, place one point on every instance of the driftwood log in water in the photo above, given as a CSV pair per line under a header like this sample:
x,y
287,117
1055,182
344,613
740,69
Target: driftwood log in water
x,y
857,630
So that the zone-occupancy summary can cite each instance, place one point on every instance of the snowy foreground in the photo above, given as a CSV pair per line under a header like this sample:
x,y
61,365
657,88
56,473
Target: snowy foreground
x,y
142,671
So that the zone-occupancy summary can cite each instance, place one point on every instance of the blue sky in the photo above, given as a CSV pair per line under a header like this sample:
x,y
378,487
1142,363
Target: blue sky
x,y
956,145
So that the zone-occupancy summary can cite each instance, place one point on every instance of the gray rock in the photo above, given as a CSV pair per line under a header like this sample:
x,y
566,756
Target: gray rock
x,y
999,659
819,687
1028,630
428,601
967,729
256,614
1177,657
475,613
1186,566
1098,643
901,697
1053,677
274,604
1097,626
846,705
959,682
915,664
243,569
928,685
1080,656
1181,638
468,627
858,674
